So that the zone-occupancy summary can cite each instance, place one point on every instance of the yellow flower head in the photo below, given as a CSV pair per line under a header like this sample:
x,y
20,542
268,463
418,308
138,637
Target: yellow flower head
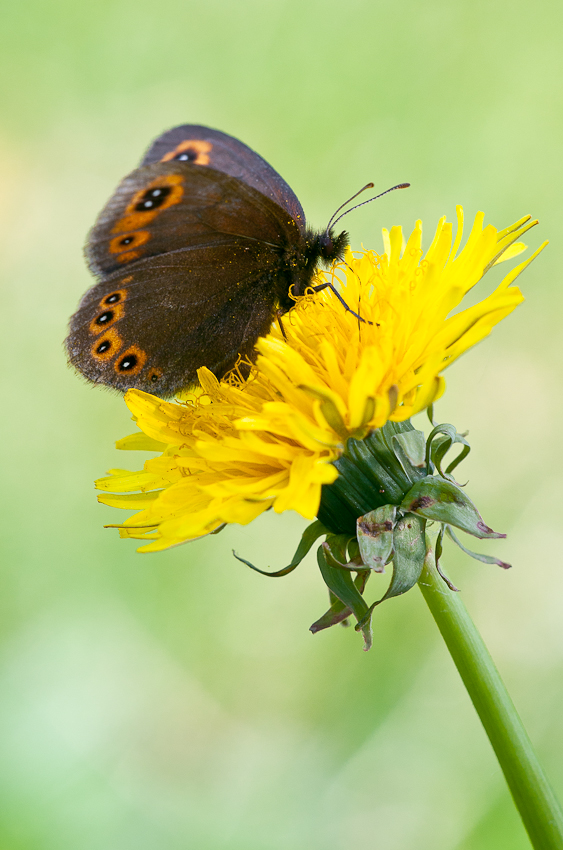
x,y
232,449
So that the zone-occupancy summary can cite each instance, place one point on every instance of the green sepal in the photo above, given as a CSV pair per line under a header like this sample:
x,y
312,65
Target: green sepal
x,y
352,566
338,611
385,471
353,549
374,533
380,443
309,536
372,472
440,441
438,554
443,501
341,584
485,559
411,449
350,496
409,552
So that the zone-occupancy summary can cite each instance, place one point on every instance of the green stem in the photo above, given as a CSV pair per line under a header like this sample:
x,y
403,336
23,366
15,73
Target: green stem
x,y
528,784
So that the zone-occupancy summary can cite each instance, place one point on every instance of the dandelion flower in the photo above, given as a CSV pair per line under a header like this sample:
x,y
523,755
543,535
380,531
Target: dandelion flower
x,y
321,425
232,449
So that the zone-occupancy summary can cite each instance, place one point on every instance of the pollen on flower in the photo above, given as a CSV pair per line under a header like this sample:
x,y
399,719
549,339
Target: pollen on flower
x,y
231,449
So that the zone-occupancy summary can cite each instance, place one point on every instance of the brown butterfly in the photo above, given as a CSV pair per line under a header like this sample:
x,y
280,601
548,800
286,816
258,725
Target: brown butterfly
x,y
195,253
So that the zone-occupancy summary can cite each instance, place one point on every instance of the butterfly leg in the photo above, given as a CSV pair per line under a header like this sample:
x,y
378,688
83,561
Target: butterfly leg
x,y
334,291
279,314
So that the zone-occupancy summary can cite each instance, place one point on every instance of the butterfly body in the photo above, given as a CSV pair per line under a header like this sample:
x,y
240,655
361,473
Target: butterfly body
x,y
195,253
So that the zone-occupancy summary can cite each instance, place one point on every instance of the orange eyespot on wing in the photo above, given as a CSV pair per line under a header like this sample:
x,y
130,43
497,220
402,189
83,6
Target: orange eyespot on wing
x,y
108,317
131,361
146,204
154,375
160,194
116,297
128,241
192,150
107,346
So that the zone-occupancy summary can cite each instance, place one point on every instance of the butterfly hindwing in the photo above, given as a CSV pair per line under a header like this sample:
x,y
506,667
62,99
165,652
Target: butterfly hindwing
x,y
153,326
203,146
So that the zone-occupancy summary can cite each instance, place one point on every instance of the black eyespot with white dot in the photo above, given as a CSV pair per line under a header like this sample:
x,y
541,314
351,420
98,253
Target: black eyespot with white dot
x,y
153,198
127,240
187,156
104,318
113,298
129,362
103,347
154,377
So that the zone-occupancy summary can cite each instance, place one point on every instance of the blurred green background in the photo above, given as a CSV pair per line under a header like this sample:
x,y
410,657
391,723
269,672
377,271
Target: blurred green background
x,y
178,700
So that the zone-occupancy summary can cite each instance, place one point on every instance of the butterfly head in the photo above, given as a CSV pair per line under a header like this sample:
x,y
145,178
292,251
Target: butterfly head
x,y
331,247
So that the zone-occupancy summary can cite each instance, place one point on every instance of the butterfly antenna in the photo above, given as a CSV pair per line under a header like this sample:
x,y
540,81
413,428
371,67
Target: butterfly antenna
x,y
333,221
367,186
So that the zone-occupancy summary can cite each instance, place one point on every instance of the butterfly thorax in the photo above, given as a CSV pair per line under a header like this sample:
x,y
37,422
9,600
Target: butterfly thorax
x,y
302,260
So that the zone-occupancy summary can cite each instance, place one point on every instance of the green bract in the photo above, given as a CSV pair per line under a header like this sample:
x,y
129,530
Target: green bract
x,y
391,487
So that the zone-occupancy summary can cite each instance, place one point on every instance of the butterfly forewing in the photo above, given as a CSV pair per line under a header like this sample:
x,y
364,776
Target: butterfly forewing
x,y
203,146
168,206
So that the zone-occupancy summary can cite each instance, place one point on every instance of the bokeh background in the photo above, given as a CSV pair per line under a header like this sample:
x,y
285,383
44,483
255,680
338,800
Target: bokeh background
x,y
178,700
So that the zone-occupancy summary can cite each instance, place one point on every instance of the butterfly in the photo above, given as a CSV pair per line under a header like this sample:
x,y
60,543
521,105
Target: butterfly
x,y
195,254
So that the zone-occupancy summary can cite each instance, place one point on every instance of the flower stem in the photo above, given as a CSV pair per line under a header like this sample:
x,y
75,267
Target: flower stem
x,y
532,793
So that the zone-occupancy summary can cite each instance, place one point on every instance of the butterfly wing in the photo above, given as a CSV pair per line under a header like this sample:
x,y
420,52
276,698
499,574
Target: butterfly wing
x,y
204,146
155,325
167,206
190,279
